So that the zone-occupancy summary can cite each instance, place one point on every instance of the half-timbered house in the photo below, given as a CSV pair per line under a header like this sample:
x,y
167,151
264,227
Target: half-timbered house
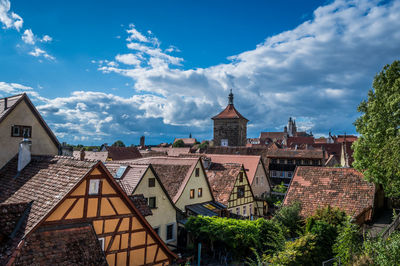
x,y
231,187
58,210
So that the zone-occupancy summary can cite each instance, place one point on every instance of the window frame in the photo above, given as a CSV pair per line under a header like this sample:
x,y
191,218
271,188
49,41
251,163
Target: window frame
x,y
21,130
197,172
166,232
200,192
155,202
94,181
152,182
102,242
192,193
239,196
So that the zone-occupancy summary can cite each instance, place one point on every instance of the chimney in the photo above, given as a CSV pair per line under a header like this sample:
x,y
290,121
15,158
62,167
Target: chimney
x,y
142,142
5,103
206,162
82,155
24,154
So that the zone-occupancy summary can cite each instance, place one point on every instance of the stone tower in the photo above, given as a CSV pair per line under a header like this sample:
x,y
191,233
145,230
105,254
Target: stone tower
x,y
230,127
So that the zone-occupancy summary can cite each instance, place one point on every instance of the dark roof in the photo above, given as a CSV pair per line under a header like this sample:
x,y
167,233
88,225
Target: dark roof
x,y
229,112
273,135
141,204
77,245
222,179
318,187
123,153
299,140
172,176
45,181
13,101
289,153
131,177
209,208
187,141
330,148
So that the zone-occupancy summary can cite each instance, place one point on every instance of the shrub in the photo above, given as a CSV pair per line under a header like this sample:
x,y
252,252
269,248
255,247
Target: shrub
x,y
288,217
348,244
179,143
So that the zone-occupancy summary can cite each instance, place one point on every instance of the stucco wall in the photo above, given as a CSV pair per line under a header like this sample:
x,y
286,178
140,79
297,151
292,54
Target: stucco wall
x,y
194,182
262,186
164,213
41,142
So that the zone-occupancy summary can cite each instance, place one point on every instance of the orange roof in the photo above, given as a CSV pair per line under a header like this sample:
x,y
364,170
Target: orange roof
x,y
229,112
250,162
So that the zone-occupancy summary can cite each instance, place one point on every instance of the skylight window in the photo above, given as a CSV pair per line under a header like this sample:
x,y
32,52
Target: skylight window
x,y
121,171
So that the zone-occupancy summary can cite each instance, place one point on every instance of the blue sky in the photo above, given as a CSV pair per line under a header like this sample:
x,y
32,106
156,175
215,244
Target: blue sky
x,y
99,71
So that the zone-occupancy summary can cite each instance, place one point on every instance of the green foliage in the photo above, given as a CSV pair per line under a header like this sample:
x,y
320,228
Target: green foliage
x,y
383,252
302,251
333,216
236,236
280,188
277,199
376,152
118,143
203,145
288,217
178,144
348,243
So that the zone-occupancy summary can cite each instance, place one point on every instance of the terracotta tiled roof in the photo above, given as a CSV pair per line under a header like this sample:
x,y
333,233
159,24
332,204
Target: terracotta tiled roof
x,y
222,179
170,151
173,172
13,101
187,141
141,204
132,176
318,187
250,162
43,182
289,153
62,247
347,138
123,153
92,155
299,140
229,112
273,135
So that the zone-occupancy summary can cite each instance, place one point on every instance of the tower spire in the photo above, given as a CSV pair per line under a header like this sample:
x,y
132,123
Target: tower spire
x,y
230,98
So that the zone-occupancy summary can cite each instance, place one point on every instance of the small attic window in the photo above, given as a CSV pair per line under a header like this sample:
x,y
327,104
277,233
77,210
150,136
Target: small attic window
x,y
121,171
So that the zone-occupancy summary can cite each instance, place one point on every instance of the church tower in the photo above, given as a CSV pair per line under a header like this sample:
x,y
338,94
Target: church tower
x,y
230,127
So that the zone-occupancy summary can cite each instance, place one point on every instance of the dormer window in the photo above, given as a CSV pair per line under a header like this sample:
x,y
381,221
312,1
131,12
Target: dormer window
x,y
120,172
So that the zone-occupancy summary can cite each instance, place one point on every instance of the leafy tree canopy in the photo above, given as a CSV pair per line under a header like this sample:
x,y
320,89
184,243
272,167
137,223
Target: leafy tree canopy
x,y
377,152
118,143
179,143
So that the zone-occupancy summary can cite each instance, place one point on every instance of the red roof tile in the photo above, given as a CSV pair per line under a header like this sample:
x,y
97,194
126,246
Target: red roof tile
x,y
228,113
318,187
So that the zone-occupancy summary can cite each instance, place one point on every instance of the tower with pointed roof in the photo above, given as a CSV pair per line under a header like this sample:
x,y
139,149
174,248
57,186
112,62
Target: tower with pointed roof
x,y
230,127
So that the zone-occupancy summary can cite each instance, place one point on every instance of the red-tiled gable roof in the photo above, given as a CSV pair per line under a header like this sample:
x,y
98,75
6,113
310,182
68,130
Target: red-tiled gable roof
x,y
320,140
187,141
62,247
222,179
123,153
131,177
13,101
330,148
228,113
299,140
347,138
170,151
318,187
174,172
273,135
249,162
289,153
141,204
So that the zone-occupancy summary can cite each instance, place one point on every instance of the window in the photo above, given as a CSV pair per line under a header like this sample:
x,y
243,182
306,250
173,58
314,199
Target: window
x,y
224,142
256,180
152,182
94,185
21,131
241,177
282,161
238,211
170,231
274,161
273,173
290,161
157,230
192,193
315,162
240,192
121,171
244,210
282,174
200,192
251,209
101,240
152,202
298,162
289,174
197,172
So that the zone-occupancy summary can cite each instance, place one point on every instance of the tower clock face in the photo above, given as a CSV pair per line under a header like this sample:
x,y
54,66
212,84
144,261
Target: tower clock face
x,y
224,142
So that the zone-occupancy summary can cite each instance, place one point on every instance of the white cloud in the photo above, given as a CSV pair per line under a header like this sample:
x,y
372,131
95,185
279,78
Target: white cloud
x,y
129,59
46,38
9,19
37,52
28,37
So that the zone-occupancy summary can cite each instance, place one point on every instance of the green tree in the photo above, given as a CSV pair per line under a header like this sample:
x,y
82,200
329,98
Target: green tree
x,y
288,217
179,143
377,152
118,143
348,244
